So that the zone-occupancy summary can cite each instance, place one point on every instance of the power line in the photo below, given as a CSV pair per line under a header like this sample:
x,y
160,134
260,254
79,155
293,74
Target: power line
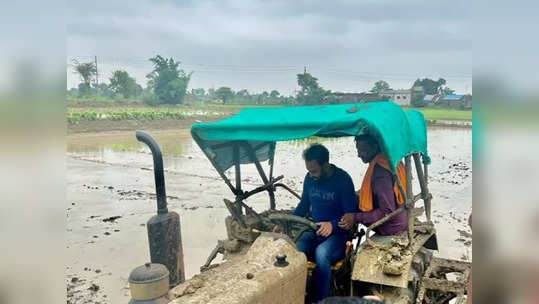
x,y
199,68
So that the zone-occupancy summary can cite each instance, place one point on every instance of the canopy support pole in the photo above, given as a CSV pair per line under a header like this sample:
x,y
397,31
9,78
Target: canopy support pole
x,y
271,191
423,184
409,198
252,155
237,167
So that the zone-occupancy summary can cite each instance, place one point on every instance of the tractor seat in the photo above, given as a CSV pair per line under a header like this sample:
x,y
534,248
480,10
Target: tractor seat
x,y
337,265
334,267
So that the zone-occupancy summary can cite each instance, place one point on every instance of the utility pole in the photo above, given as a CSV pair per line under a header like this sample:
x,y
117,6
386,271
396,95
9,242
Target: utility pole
x,y
96,73
304,70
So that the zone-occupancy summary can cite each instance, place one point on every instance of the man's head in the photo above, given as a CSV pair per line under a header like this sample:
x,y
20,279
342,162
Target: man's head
x,y
316,161
367,147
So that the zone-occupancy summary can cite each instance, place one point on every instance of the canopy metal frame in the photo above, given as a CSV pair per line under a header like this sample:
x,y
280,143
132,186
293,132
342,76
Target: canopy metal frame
x,y
270,184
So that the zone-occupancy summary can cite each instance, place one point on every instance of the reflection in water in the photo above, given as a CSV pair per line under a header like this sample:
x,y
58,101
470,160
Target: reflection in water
x,y
446,146
120,147
172,143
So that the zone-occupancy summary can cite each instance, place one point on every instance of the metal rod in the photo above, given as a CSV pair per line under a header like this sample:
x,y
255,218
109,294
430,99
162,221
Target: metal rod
x,y
426,173
252,155
271,191
265,187
271,159
158,170
237,169
237,166
424,188
381,221
408,170
409,197
289,189
272,198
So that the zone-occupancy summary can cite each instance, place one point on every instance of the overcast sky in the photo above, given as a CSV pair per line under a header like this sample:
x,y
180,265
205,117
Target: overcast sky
x,y
262,45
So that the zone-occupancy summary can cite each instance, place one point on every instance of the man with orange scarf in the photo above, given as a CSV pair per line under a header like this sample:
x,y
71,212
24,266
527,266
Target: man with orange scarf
x,y
379,195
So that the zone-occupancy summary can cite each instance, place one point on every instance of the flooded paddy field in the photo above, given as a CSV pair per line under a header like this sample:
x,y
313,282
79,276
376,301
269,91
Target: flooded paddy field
x,y
111,196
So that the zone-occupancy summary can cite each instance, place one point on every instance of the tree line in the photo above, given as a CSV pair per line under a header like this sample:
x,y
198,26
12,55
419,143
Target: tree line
x,y
168,83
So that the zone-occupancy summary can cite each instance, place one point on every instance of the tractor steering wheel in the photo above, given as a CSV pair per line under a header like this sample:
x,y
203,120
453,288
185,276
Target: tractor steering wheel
x,y
284,221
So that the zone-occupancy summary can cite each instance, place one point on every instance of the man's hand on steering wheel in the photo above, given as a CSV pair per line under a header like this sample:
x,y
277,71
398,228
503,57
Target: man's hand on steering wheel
x,y
325,229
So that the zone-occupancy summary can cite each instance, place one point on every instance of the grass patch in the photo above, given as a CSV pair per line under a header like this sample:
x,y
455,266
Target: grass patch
x,y
116,112
75,117
447,114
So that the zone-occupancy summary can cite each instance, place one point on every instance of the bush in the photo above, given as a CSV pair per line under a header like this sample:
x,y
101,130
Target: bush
x,y
150,99
418,100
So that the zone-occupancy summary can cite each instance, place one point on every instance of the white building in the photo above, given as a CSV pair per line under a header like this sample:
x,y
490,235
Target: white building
x,y
400,97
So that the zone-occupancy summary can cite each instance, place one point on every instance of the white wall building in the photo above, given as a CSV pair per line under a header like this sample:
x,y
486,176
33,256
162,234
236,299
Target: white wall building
x,y
400,97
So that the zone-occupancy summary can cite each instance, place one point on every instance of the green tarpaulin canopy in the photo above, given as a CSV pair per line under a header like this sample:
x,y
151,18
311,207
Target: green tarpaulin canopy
x,y
253,131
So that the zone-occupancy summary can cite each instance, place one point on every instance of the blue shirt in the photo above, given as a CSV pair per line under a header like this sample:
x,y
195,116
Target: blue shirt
x,y
328,199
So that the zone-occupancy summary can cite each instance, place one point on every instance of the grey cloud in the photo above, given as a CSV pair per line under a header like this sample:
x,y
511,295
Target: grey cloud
x,y
395,38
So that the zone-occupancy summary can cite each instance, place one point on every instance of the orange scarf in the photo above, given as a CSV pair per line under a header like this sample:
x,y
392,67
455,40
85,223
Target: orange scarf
x,y
365,194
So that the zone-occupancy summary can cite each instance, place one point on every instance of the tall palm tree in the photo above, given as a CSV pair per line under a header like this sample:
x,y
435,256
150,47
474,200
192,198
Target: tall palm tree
x,y
86,70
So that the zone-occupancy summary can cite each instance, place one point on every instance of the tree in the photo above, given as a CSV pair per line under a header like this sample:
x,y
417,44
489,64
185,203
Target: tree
x,y
430,86
380,86
122,83
198,92
86,71
311,92
242,93
275,94
418,97
103,89
167,81
418,100
224,94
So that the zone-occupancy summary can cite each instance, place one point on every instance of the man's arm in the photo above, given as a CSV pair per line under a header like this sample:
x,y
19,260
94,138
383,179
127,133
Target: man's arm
x,y
349,204
382,191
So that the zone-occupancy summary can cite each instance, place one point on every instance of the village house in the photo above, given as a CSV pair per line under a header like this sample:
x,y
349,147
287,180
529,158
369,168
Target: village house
x,y
339,97
457,101
400,97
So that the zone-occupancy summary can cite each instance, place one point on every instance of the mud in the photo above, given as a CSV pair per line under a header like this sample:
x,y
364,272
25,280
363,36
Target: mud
x,y
110,176
249,278
126,125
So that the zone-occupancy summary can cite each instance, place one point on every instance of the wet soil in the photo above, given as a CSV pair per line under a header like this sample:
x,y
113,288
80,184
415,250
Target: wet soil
x,y
129,125
111,196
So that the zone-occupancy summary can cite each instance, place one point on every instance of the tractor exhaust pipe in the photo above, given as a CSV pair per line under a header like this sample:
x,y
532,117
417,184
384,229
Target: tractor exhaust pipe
x,y
164,230
157,170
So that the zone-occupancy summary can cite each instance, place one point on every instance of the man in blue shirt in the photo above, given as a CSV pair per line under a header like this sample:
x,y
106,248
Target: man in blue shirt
x,y
328,194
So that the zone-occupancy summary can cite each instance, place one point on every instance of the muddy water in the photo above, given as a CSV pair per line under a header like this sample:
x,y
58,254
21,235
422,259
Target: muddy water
x,y
109,175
